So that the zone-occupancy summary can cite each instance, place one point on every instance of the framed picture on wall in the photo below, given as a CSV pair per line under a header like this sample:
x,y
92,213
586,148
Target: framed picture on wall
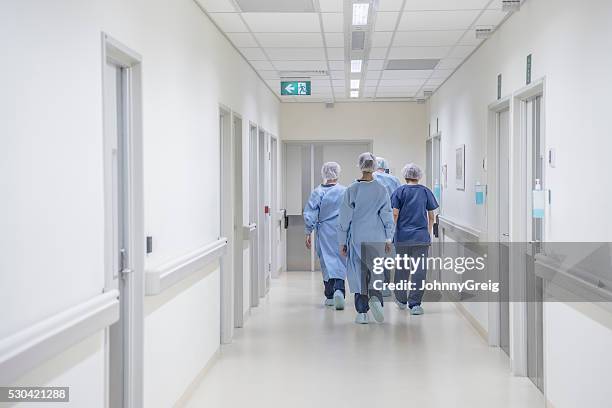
x,y
460,168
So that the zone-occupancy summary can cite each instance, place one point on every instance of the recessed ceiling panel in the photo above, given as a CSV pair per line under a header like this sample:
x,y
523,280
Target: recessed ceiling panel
x,y
282,22
289,40
275,6
437,20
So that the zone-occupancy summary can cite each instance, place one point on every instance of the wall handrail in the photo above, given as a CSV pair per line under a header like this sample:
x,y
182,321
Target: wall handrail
x,y
162,277
469,233
29,348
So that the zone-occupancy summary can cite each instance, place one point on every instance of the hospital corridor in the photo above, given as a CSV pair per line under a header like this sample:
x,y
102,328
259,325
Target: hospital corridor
x,y
305,203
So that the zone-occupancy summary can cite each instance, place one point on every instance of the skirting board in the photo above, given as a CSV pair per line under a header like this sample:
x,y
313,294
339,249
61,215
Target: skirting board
x,y
190,390
468,316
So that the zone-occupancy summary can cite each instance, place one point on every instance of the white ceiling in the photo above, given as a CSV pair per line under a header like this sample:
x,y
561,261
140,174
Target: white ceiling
x,y
398,29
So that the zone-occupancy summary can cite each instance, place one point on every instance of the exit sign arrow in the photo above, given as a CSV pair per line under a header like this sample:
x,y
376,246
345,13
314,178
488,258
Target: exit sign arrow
x,y
290,88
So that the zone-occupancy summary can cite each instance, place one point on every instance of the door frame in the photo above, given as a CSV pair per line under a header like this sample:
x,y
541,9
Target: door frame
x,y
226,222
274,205
263,163
238,217
492,172
518,217
254,211
132,295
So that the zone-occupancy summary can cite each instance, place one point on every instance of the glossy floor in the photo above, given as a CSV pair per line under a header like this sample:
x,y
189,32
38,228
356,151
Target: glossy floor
x,y
294,352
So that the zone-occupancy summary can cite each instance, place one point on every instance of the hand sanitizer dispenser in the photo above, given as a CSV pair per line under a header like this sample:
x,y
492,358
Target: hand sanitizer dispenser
x,y
539,200
437,190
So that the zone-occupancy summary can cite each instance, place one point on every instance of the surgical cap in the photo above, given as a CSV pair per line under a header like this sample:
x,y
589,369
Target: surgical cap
x,y
367,162
412,171
382,163
330,171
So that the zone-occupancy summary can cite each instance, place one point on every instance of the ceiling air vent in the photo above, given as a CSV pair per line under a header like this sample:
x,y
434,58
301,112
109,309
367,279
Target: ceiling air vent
x,y
276,6
411,64
484,32
511,5
427,93
358,40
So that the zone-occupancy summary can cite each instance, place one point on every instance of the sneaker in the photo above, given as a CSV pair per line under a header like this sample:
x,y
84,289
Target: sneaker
x,y
400,305
377,309
362,318
339,300
329,302
416,310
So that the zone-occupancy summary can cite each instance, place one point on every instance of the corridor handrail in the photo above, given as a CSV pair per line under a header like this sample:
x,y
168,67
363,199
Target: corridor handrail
x,y
162,277
471,233
32,346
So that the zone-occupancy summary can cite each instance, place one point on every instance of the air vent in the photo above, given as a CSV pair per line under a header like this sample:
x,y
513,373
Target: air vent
x,y
302,74
421,101
484,32
358,40
411,64
276,6
511,5
427,93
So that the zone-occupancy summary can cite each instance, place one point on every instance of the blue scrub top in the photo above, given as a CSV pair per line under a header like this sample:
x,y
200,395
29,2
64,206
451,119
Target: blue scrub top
x,y
413,202
390,182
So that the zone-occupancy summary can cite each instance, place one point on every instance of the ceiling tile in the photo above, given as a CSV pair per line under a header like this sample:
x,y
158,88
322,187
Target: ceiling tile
x,y
283,22
491,17
426,38
338,82
334,39
337,74
437,20
253,54
397,74
337,65
462,51
300,65
262,65
418,52
215,6
331,6
449,63
401,83
268,74
371,83
435,82
242,40
296,54
375,64
441,73
382,39
386,21
470,39
373,74
390,5
333,22
289,40
446,4
378,53
229,22
335,53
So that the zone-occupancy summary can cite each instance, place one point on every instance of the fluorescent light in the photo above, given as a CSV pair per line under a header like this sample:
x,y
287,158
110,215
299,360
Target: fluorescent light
x,y
360,13
354,94
355,83
356,65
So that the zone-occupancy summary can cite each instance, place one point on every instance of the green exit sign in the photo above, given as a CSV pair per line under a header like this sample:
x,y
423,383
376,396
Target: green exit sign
x,y
293,88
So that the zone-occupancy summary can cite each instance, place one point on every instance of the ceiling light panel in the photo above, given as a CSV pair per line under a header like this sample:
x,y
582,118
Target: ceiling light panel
x,y
427,38
283,22
290,40
386,21
354,94
331,6
360,14
295,54
445,5
356,66
355,83
437,20
333,22
216,6
229,22
275,6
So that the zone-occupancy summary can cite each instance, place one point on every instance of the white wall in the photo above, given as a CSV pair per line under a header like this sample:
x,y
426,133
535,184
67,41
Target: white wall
x,y
398,129
51,222
566,39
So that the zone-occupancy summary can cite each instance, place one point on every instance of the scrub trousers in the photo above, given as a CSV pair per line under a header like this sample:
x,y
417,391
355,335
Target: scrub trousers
x,y
332,285
417,279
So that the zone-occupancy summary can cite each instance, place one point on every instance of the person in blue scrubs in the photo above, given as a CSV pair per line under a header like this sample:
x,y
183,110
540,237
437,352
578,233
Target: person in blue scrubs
x,y
413,211
365,217
383,176
391,183
321,215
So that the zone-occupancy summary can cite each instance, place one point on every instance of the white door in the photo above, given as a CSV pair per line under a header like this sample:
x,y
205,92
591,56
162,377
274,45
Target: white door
x,y
263,214
238,222
253,214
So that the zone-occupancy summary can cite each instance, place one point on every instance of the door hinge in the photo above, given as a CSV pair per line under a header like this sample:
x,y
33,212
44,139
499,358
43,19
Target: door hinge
x,y
124,262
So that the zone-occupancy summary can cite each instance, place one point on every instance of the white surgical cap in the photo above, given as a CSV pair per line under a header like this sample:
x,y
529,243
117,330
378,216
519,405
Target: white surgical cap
x,y
367,162
330,171
412,171
382,163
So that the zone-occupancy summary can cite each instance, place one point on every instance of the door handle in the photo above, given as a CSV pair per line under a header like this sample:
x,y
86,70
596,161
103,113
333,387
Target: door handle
x,y
505,234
